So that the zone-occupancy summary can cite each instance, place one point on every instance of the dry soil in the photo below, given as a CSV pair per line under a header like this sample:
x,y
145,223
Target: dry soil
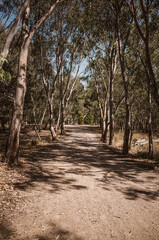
x,y
77,189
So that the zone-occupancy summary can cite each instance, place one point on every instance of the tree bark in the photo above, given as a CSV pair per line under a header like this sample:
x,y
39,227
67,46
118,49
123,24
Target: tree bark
x,y
52,130
58,120
62,117
111,113
149,109
103,111
12,146
62,126
121,47
127,107
150,122
127,124
35,121
113,67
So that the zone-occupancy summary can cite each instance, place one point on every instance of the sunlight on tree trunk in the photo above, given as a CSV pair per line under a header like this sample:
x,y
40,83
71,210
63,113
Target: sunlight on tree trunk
x,y
12,147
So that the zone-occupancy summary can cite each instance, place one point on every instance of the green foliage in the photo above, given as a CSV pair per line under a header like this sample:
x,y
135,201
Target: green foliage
x,y
80,118
89,119
4,76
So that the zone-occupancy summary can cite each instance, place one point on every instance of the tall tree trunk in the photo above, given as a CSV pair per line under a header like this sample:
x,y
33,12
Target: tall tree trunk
x,y
131,128
107,124
12,146
35,120
103,138
122,47
150,121
62,117
58,120
52,130
113,68
111,118
149,108
62,101
127,124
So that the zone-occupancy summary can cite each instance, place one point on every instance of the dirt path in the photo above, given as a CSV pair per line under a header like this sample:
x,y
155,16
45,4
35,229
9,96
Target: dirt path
x,y
76,189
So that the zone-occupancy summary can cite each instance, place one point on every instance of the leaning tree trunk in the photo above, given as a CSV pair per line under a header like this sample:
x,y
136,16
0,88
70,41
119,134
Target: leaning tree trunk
x,y
12,146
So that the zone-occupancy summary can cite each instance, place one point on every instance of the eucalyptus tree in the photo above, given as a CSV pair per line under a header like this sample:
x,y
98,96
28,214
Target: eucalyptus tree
x,y
68,41
12,147
123,28
145,15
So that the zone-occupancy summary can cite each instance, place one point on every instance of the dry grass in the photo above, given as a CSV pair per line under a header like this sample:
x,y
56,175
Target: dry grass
x,y
118,139
140,151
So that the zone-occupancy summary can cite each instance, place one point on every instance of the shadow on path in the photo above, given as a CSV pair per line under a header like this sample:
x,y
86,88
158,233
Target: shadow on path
x,y
8,233
81,153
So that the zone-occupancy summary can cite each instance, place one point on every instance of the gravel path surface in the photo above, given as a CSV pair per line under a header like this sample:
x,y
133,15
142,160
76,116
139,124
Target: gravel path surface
x,y
76,189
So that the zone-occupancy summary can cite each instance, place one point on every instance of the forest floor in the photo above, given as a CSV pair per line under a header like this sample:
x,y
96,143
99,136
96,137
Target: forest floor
x,y
78,189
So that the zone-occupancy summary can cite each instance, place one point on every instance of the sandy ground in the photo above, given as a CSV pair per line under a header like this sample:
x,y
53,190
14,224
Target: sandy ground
x,y
76,189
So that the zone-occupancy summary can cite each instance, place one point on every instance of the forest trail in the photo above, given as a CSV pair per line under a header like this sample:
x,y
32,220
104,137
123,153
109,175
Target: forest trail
x,y
76,189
